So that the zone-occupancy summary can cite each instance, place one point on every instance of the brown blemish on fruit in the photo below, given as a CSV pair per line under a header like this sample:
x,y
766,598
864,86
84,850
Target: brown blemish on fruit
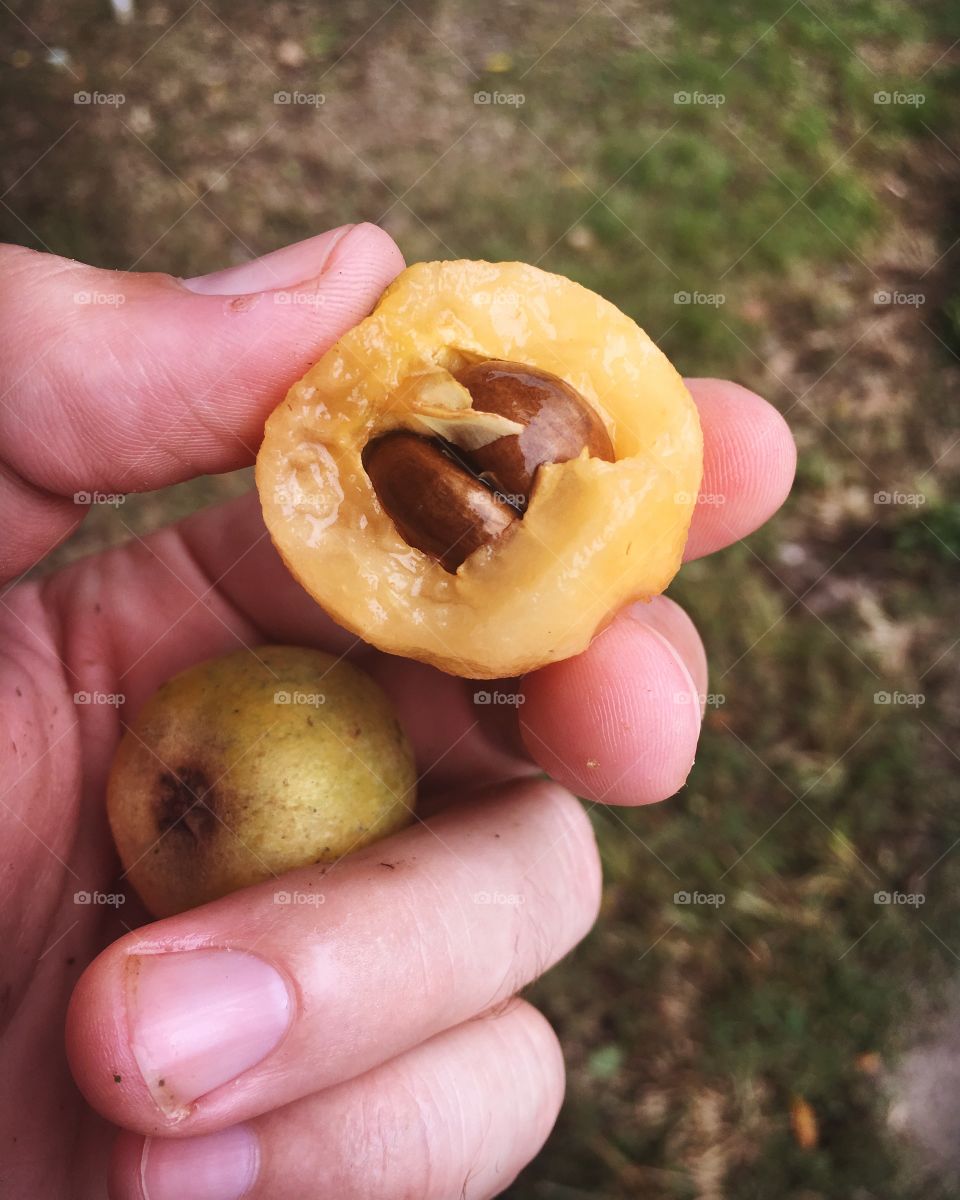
x,y
185,801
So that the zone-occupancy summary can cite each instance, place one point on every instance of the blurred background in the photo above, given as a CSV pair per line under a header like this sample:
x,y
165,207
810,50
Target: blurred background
x,y
770,189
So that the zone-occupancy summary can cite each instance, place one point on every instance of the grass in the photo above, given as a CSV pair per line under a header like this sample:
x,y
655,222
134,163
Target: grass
x,y
766,167
691,1030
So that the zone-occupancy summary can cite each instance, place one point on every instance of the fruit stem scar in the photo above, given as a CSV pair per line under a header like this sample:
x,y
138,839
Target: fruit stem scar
x,y
182,802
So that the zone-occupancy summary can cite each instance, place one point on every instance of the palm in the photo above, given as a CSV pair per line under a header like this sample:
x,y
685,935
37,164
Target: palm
x,y
119,625
124,401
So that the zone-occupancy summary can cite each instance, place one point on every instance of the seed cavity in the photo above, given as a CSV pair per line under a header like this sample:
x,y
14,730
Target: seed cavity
x,y
467,475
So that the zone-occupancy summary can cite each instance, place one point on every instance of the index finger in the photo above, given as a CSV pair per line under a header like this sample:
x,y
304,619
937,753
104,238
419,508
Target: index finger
x,y
246,1004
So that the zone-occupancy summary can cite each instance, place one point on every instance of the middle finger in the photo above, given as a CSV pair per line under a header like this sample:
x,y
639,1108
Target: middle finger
x,y
240,1006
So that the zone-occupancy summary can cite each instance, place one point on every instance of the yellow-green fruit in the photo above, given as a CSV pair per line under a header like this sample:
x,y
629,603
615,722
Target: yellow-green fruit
x,y
249,765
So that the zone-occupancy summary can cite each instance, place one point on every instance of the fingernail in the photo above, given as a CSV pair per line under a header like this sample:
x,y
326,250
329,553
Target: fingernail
x,y
284,268
199,1018
655,616
216,1166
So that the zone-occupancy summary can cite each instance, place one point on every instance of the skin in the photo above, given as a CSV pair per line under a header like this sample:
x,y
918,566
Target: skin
x,y
217,786
382,1087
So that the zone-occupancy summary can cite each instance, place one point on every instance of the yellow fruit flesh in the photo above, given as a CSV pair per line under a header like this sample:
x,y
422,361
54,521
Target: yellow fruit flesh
x,y
596,535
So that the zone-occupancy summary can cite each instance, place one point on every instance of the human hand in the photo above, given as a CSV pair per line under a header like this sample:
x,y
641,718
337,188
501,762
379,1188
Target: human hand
x,y
370,1047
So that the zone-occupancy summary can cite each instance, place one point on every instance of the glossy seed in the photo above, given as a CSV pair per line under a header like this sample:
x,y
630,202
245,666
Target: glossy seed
x,y
436,503
559,424
447,501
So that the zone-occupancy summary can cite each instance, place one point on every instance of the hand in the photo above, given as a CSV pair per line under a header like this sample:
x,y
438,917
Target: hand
x,y
370,1048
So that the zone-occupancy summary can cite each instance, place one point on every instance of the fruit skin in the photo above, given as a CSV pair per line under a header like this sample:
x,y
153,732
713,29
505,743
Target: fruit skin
x,y
280,784
596,535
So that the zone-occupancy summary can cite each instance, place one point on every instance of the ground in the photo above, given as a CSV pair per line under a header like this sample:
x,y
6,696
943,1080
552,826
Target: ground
x,y
769,190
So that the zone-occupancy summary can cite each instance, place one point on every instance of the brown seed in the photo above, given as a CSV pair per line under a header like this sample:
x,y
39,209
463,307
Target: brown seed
x,y
447,501
559,424
437,505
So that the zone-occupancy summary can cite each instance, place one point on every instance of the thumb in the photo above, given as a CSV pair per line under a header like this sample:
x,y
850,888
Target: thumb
x,y
120,382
